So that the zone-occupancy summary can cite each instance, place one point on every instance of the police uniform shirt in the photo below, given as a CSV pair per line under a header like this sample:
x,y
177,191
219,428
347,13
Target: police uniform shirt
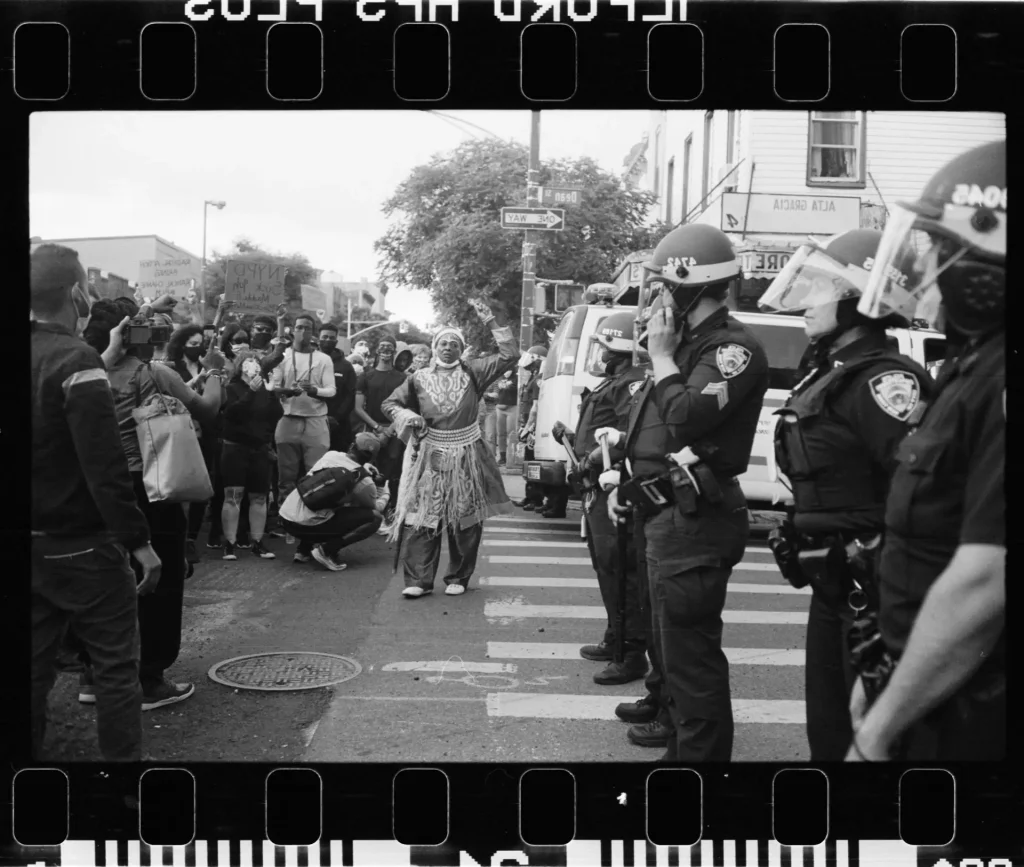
x,y
719,390
947,490
606,406
840,456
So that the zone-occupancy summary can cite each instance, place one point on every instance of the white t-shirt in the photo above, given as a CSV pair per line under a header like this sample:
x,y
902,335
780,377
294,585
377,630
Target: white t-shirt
x,y
298,368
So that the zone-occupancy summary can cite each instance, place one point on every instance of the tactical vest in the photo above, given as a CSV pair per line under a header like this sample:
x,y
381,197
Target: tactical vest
x,y
589,403
652,438
822,456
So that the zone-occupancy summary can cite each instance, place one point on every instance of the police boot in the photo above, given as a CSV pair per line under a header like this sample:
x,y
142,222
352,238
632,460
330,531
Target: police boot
x,y
597,652
640,711
652,734
633,667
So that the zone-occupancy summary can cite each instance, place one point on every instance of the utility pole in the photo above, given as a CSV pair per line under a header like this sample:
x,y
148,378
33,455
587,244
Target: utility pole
x,y
529,302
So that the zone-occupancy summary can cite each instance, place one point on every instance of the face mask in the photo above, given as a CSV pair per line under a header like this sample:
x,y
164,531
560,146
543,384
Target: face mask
x,y
239,347
260,340
192,353
328,345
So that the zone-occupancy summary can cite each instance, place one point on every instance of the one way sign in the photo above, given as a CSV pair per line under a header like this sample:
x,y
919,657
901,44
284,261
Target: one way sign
x,y
545,219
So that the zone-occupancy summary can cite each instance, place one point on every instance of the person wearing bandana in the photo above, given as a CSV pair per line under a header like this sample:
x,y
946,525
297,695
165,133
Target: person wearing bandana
x,y
450,482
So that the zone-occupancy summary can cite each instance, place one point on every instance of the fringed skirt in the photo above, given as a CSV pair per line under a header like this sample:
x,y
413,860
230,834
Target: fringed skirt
x,y
451,480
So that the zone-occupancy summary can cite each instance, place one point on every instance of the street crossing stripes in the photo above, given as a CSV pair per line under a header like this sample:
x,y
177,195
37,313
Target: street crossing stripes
x,y
578,853
554,650
591,584
520,610
602,707
562,597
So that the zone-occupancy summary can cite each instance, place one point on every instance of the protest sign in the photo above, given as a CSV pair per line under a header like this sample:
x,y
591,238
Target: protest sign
x,y
168,276
255,287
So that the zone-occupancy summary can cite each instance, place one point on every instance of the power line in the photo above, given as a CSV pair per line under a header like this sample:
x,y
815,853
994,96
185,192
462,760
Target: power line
x,y
467,122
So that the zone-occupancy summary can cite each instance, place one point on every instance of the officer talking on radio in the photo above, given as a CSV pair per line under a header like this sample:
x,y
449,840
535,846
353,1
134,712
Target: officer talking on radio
x,y
942,571
689,436
610,356
835,441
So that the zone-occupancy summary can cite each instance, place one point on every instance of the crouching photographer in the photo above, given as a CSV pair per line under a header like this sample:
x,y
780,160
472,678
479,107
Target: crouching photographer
x,y
336,504
125,340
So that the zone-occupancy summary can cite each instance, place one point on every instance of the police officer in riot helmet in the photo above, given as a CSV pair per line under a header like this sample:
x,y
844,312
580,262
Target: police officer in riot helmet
x,y
609,356
689,436
835,441
942,569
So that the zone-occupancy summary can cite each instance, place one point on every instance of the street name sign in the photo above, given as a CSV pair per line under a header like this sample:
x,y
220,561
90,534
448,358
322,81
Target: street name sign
x,y
544,219
561,195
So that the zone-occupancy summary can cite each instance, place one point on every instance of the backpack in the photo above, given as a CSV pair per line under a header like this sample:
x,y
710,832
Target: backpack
x,y
327,488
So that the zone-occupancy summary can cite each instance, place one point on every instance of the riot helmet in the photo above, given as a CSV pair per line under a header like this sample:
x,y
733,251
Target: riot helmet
x,y
612,341
836,272
957,228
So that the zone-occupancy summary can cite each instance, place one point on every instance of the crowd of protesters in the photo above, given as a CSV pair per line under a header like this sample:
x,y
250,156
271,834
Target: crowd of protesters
x,y
271,399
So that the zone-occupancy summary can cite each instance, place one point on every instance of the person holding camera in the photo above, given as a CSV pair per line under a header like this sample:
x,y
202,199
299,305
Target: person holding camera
x,y
355,513
303,380
133,383
85,519
835,442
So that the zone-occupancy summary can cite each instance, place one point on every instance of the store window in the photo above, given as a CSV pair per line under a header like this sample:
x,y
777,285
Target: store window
x,y
836,149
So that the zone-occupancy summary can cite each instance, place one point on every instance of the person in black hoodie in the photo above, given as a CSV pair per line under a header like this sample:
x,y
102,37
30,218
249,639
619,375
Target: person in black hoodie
x,y
251,412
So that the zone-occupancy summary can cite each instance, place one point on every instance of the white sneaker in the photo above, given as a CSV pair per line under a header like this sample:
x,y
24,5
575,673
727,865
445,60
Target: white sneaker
x,y
328,562
414,592
454,590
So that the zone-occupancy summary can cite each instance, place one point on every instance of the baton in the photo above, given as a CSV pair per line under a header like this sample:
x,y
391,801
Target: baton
x,y
417,439
623,551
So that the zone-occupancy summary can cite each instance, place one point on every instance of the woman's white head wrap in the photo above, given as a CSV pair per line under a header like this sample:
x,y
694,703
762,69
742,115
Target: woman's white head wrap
x,y
447,331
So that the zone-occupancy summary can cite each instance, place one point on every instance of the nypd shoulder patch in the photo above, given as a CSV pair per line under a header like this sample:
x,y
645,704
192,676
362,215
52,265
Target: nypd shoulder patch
x,y
634,387
897,392
732,359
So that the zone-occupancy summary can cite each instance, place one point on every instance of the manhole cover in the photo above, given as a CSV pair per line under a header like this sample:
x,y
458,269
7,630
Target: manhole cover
x,y
284,671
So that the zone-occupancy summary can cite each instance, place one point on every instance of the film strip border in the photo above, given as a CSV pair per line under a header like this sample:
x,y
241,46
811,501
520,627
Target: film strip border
x,y
579,853
505,53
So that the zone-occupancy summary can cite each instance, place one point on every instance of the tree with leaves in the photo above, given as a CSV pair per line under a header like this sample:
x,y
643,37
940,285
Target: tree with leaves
x,y
446,235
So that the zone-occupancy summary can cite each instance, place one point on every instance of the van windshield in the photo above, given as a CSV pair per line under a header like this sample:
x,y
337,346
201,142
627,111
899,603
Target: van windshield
x,y
562,352
785,347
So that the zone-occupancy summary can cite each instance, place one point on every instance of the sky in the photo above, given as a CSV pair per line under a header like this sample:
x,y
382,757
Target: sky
x,y
307,182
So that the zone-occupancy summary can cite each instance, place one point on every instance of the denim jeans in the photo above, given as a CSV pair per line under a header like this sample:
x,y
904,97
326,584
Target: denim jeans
x,y
507,418
89,587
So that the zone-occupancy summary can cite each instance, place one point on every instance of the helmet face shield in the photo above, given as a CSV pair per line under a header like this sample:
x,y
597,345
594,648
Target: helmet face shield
x,y
889,289
812,278
595,363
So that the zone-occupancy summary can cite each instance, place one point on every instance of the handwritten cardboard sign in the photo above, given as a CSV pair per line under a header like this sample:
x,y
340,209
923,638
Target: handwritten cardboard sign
x,y
168,276
255,287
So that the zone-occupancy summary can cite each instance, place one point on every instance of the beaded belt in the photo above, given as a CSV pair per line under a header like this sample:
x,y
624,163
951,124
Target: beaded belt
x,y
453,439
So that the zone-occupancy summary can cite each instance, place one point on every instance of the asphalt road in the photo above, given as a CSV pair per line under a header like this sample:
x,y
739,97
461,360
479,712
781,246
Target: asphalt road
x,y
493,675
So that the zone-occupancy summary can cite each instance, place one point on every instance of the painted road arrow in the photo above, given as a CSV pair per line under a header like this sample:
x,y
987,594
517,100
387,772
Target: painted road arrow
x,y
544,219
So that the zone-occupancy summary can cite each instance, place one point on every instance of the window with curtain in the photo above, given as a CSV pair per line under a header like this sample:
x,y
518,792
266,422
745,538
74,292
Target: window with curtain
x,y
836,148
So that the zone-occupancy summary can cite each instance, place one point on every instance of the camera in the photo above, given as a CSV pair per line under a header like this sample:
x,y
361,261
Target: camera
x,y
141,331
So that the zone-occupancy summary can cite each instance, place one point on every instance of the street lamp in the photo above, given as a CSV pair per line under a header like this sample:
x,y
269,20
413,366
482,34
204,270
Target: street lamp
x,y
219,206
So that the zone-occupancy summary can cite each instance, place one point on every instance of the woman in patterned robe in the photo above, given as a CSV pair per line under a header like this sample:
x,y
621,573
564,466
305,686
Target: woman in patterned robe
x,y
450,481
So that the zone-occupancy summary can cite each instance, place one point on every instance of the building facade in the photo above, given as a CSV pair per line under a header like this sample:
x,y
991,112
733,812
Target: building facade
x,y
771,178
147,262
362,294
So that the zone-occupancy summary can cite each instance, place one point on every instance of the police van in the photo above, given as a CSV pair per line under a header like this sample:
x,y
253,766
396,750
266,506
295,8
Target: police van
x,y
564,377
